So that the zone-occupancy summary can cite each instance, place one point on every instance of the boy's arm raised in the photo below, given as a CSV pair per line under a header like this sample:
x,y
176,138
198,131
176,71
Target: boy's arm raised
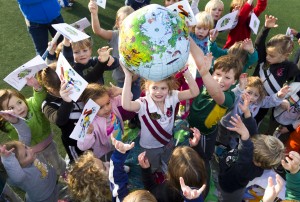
x,y
203,64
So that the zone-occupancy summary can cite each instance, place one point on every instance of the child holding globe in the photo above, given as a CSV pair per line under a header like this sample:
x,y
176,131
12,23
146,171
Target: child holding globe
x,y
156,113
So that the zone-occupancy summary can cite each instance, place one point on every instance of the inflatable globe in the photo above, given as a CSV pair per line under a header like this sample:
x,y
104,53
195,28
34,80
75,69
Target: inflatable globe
x,y
154,42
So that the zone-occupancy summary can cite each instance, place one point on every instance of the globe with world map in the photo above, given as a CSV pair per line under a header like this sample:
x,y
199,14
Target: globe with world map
x,y
154,42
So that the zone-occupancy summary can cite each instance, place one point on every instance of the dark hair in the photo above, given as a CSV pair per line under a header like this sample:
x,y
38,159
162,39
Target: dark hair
x,y
49,78
228,62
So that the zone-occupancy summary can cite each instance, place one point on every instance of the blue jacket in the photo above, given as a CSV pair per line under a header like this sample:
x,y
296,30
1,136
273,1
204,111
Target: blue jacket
x,y
40,11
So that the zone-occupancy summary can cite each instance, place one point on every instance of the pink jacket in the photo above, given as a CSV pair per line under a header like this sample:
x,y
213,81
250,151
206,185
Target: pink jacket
x,y
98,140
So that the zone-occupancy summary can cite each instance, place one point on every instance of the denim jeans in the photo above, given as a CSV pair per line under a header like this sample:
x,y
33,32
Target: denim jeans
x,y
39,34
135,88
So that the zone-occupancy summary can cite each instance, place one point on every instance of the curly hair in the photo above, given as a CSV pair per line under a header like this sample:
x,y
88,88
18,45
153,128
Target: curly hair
x,y
268,151
87,182
186,162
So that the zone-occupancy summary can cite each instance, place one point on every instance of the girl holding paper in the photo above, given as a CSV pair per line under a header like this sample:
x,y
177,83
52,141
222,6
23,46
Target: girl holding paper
x,y
30,110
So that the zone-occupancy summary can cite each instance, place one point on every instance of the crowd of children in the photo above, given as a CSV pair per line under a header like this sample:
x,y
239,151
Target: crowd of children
x,y
223,108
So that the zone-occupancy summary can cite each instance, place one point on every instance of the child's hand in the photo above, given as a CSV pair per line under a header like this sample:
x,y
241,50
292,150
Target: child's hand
x,y
272,190
143,160
66,42
207,60
246,102
4,151
283,91
247,45
9,117
126,71
120,146
65,92
243,81
239,127
292,162
114,91
213,34
104,55
93,7
188,192
270,21
33,83
283,130
196,137
90,129
52,50
285,105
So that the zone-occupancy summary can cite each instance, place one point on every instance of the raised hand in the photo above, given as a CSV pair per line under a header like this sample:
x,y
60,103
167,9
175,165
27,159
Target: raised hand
x,y
104,55
143,160
90,129
292,162
114,91
65,92
196,137
93,7
207,61
245,106
120,146
4,151
247,45
270,21
239,127
272,190
32,82
188,192
126,71
243,81
213,34
283,91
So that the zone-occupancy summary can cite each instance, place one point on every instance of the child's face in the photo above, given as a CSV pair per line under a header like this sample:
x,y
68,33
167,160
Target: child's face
x,y
273,57
253,93
120,19
158,91
26,155
224,79
102,166
105,106
201,32
82,56
170,2
18,106
216,12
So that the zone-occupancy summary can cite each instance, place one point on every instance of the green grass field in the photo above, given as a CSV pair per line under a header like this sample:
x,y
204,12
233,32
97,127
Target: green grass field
x,y
17,48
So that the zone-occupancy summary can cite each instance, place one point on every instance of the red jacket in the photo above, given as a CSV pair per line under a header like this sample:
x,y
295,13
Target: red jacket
x,y
242,29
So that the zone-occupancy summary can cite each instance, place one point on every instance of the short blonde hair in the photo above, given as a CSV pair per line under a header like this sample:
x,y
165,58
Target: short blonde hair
x,y
235,3
125,10
213,4
268,151
85,43
140,196
204,19
87,182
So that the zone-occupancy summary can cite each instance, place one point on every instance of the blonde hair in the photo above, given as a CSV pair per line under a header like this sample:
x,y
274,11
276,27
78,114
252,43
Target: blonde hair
x,y
186,162
256,82
283,44
238,3
237,50
87,182
268,151
171,83
140,196
125,10
204,19
213,4
93,91
85,43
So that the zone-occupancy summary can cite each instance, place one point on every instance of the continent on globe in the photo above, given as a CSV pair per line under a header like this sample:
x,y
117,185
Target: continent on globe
x,y
154,42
